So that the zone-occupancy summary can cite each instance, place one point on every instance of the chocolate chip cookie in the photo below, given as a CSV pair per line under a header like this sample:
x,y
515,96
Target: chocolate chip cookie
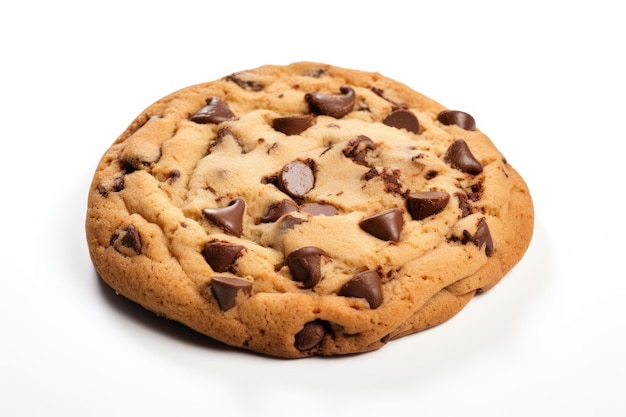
x,y
305,210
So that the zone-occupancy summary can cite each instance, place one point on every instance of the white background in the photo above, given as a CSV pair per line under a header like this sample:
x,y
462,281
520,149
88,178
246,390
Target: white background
x,y
544,79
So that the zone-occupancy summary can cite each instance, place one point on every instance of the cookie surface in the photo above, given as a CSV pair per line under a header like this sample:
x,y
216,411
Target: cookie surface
x,y
305,210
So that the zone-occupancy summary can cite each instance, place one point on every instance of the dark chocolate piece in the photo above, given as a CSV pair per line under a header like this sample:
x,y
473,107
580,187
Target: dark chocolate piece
x,y
305,265
221,256
457,117
293,125
296,179
248,85
403,119
319,209
174,175
481,237
310,336
102,190
385,224
229,218
225,290
334,105
279,209
358,148
225,133
288,222
216,111
366,285
391,179
464,204
460,157
427,203
118,184
132,239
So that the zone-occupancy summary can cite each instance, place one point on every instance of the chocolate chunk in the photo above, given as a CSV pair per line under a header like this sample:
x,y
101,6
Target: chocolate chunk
x,y
279,209
102,190
288,222
431,174
481,237
319,209
229,218
221,256
366,285
371,174
293,125
403,119
224,134
225,290
464,204
424,204
358,148
334,105
248,85
310,336
385,224
305,265
216,111
118,184
132,239
457,117
296,179
316,73
174,175
391,179
460,157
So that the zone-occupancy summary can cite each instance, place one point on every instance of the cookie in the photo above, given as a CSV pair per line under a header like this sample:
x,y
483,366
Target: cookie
x,y
305,210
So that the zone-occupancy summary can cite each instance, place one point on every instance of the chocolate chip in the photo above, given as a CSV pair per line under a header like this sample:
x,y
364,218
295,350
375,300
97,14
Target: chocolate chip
x,y
316,73
334,105
391,179
310,336
229,218
279,209
248,85
460,157
366,285
319,209
127,241
174,175
403,119
457,117
221,255
385,225
293,125
296,179
481,237
305,265
102,190
223,135
215,112
476,192
225,290
288,222
371,174
358,148
118,184
431,174
132,239
464,204
424,204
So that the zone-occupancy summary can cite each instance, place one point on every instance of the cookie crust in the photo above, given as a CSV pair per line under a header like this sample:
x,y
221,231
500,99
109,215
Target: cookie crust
x,y
278,210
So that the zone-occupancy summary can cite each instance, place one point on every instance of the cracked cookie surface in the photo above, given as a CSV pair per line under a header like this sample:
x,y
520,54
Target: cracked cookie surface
x,y
305,210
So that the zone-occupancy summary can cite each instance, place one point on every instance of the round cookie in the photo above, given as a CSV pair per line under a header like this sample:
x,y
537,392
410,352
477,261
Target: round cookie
x,y
305,210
